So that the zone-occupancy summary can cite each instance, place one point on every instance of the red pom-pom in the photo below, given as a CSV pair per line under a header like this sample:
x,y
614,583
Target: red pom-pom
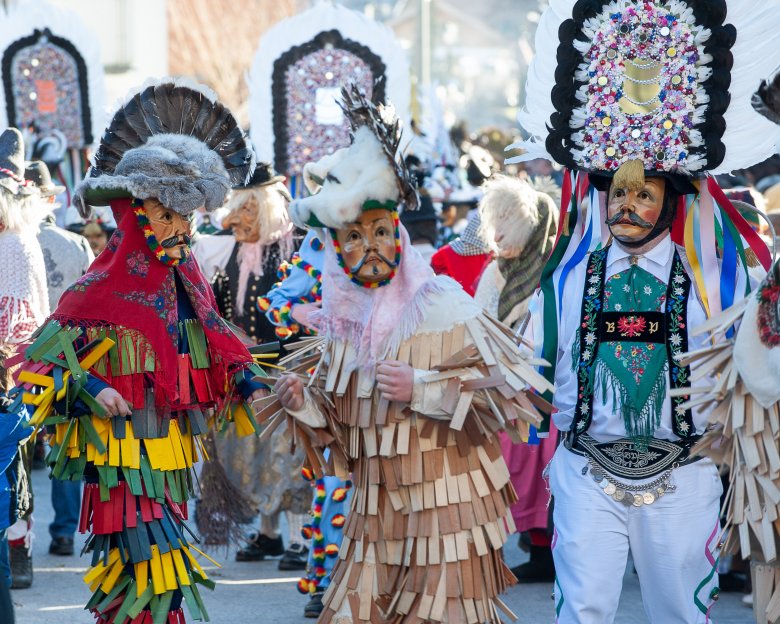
x,y
339,494
331,550
338,521
303,586
307,473
307,531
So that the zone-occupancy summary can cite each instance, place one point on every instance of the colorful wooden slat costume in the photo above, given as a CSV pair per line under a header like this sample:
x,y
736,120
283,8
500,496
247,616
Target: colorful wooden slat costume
x,y
143,322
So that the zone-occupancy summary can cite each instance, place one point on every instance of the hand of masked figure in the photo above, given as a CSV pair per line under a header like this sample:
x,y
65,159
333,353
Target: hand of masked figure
x,y
395,380
289,389
301,313
111,401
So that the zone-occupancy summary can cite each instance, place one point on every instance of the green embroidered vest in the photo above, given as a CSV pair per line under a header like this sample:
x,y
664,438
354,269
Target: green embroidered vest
x,y
632,331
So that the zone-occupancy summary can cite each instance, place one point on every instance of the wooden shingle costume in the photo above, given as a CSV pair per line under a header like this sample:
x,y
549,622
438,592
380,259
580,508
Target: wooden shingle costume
x,y
430,508
745,426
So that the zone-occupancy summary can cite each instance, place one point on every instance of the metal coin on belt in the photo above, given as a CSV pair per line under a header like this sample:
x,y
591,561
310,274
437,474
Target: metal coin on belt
x,y
597,474
610,489
637,500
648,498
628,499
660,491
603,484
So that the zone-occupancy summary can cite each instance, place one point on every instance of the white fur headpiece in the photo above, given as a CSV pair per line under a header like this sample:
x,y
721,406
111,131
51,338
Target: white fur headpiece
x,y
354,176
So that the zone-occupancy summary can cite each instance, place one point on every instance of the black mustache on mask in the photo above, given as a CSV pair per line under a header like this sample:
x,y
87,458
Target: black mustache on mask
x,y
360,264
175,240
631,216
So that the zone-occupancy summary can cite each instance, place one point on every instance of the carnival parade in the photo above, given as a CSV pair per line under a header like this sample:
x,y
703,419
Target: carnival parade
x,y
390,311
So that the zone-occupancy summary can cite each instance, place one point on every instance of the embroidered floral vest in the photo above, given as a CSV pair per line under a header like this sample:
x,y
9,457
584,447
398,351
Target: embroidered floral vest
x,y
632,331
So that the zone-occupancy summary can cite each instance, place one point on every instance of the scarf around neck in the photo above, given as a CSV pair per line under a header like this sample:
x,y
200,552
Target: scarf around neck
x,y
129,290
374,320
522,274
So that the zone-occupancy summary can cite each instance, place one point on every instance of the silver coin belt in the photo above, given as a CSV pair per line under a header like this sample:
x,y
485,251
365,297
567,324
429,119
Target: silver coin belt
x,y
631,495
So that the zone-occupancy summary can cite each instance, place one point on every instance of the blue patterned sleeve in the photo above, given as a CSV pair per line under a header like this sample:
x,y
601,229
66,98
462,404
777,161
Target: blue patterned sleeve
x,y
300,282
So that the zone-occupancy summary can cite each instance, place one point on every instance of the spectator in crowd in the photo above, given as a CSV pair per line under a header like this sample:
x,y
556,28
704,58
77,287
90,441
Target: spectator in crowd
x,y
421,225
465,257
24,300
67,257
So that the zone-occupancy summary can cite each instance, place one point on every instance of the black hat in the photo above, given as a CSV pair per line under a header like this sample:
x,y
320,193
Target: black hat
x,y
264,175
12,163
38,173
425,212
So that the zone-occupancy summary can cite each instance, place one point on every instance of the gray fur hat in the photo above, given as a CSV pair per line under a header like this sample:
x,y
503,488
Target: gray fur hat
x,y
173,141
180,171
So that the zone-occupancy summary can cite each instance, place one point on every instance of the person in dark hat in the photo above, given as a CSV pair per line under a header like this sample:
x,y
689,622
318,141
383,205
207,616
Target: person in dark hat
x,y
67,255
422,225
97,232
262,239
455,211
24,305
259,237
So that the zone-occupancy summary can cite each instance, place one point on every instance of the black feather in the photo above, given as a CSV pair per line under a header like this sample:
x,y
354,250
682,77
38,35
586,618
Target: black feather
x,y
360,112
767,99
149,108
171,115
168,108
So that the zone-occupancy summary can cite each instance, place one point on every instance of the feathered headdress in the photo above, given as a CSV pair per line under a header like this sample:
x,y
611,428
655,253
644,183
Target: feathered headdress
x,y
629,88
368,174
172,141
767,99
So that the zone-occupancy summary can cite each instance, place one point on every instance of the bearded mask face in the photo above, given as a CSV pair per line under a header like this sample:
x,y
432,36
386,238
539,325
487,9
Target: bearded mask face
x,y
244,222
171,229
632,214
368,246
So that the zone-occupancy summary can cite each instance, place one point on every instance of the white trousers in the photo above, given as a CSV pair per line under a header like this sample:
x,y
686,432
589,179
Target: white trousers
x,y
674,544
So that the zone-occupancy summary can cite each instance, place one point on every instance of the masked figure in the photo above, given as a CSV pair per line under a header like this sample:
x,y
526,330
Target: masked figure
x,y
135,363
430,506
247,265
520,225
647,250
247,262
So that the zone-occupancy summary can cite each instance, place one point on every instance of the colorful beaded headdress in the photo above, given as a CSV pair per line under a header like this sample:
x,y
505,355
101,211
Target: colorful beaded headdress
x,y
660,87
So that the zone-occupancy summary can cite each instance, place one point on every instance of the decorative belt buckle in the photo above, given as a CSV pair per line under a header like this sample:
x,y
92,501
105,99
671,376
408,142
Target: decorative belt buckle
x,y
623,459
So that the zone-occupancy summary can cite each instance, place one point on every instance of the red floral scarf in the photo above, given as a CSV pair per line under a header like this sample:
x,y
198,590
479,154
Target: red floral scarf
x,y
128,288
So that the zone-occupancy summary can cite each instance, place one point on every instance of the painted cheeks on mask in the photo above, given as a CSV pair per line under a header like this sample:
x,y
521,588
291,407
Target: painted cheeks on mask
x,y
633,213
171,229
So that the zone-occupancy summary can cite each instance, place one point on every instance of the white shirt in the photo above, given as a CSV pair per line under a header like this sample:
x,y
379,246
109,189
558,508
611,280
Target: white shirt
x,y
607,423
